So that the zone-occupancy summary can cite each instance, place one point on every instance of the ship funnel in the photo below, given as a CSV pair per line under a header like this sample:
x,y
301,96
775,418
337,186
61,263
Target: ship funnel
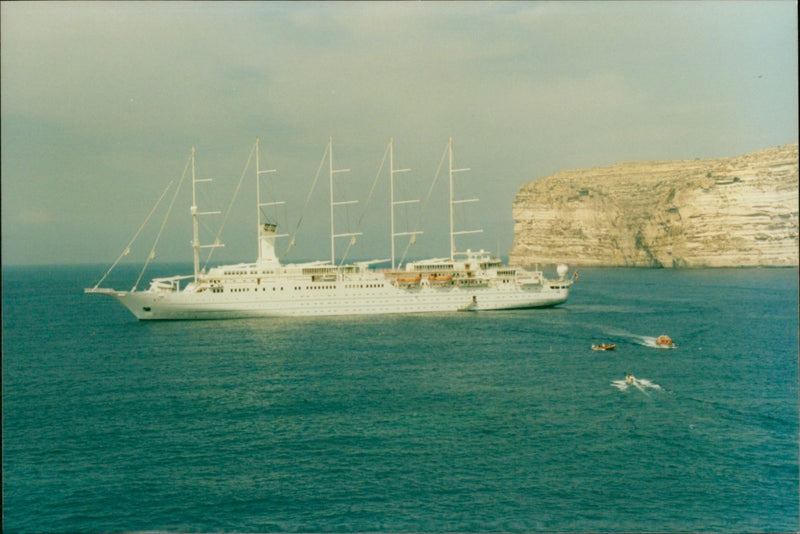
x,y
266,242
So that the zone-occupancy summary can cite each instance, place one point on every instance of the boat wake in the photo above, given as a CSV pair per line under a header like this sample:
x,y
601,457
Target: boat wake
x,y
645,341
642,384
648,341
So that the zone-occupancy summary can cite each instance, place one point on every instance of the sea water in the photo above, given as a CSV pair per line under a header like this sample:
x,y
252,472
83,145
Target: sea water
x,y
496,421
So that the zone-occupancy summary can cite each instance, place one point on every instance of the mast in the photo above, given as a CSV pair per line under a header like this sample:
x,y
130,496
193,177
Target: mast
x,y
195,227
452,224
266,229
453,202
330,177
392,204
391,194
196,246
331,172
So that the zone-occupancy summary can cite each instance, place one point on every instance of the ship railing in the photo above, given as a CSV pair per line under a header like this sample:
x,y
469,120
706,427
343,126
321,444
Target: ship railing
x,y
169,284
529,277
559,284
365,265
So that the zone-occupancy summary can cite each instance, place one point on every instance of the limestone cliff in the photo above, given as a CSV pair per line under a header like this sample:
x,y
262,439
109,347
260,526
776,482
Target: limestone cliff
x,y
740,211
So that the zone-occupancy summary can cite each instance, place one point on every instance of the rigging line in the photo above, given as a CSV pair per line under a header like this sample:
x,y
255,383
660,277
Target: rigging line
x,y
308,199
128,248
163,224
230,206
366,205
424,204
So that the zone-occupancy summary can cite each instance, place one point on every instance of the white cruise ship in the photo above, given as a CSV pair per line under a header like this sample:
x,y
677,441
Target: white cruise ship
x,y
464,281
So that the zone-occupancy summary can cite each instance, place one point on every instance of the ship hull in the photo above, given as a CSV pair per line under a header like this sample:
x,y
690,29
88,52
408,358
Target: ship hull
x,y
336,299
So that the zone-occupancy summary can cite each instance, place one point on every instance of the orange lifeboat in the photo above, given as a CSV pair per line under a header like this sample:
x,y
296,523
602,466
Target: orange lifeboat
x,y
664,342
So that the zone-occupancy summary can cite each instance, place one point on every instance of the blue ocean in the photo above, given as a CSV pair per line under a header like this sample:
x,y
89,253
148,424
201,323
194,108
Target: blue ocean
x,y
468,422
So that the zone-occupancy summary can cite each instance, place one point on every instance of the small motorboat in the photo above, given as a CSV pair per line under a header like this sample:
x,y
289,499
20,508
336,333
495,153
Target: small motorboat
x,y
664,342
630,379
604,346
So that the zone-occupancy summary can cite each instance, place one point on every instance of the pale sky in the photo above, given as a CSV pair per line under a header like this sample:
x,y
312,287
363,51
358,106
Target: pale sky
x,y
102,102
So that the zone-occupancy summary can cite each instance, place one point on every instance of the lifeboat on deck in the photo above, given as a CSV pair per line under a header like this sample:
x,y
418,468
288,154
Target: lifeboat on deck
x,y
408,281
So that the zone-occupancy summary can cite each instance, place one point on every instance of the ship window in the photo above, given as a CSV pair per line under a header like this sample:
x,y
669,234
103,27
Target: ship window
x,y
146,308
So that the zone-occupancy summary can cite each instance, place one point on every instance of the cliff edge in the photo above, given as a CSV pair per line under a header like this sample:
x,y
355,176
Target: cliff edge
x,y
730,212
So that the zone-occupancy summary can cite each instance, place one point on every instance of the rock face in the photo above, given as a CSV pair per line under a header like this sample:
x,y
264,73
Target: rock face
x,y
731,212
